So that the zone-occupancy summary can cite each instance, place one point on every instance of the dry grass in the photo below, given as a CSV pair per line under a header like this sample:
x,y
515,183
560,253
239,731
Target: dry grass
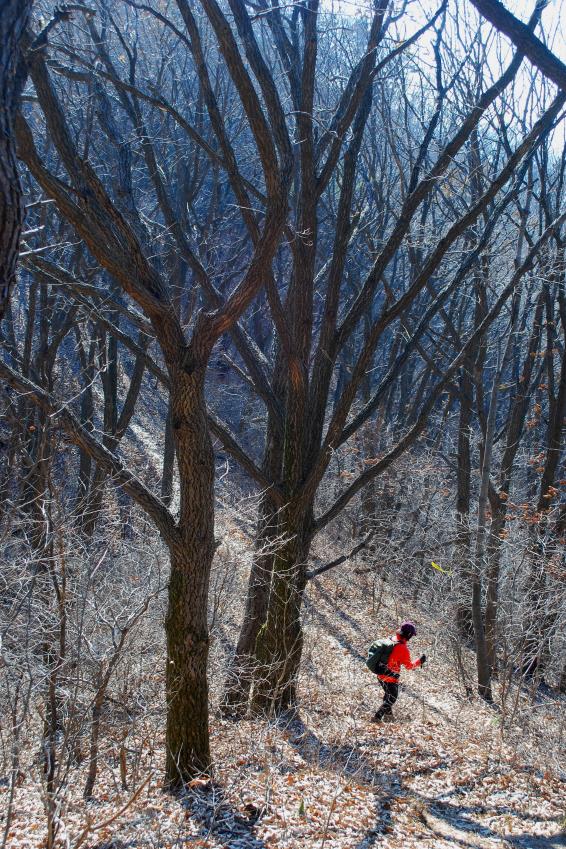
x,y
447,772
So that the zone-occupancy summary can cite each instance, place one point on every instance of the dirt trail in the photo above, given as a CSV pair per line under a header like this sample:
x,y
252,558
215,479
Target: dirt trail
x,y
441,775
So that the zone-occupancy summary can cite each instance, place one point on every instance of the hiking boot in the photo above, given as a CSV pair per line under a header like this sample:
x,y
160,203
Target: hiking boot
x,y
383,717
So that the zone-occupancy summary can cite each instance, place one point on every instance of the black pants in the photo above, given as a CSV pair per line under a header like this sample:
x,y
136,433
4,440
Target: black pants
x,y
390,693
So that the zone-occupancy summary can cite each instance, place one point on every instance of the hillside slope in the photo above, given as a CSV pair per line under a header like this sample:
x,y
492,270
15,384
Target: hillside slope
x,y
447,772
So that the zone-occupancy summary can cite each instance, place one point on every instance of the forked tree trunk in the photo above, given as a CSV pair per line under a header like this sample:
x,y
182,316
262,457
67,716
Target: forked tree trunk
x,y
115,245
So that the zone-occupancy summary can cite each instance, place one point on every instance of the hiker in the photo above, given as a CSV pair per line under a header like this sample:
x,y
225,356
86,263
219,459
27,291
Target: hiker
x,y
386,657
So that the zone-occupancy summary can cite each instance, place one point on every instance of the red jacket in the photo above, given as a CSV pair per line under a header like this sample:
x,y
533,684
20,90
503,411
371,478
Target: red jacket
x,y
400,656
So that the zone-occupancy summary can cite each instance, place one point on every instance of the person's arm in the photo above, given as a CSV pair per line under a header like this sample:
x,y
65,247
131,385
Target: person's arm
x,y
405,659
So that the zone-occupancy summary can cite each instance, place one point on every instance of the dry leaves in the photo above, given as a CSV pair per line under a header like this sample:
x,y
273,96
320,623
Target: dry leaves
x,y
442,772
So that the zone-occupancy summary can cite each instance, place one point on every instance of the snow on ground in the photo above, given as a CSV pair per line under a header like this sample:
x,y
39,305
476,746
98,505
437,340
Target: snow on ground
x,y
447,772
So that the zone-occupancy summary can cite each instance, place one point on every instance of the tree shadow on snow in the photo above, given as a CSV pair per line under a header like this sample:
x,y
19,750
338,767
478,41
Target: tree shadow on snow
x,y
208,808
454,824
351,763
340,613
496,810
335,632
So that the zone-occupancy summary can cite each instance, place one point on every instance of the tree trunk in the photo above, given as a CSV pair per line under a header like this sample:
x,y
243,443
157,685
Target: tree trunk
x,y
93,747
192,551
13,20
492,589
240,674
168,469
463,544
279,642
483,666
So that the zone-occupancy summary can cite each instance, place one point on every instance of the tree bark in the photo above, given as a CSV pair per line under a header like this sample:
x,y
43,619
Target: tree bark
x,y
240,674
279,641
13,20
186,624
168,469
463,544
483,667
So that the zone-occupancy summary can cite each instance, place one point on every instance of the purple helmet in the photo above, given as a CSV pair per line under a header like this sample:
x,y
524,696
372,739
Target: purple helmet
x,y
408,630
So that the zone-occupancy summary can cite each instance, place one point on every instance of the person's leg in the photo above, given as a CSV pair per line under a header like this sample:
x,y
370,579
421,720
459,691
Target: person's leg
x,y
390,693
379,712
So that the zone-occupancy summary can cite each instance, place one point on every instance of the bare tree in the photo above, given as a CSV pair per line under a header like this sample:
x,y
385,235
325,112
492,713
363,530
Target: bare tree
x,y
86,204
523,38
13,21
311,433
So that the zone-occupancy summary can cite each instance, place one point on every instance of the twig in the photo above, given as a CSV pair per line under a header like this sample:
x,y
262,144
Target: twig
x,y
89,827
339,560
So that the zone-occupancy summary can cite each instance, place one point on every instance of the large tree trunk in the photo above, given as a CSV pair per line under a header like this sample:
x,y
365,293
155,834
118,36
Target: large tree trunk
x,y
279,642
168,468
119,250
13,20
186,625
240,674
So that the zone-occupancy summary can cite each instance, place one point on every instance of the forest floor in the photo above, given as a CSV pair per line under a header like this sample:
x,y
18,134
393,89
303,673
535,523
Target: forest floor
x,y
449,771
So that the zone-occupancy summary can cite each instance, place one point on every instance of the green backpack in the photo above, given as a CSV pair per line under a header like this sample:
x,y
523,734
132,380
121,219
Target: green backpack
x,y
378,654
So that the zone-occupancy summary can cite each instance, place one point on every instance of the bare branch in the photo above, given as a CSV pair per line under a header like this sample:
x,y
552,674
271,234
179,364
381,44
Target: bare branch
x,y
81,437
523,38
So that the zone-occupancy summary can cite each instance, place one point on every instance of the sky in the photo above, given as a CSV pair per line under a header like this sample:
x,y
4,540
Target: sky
x,y
553,21
417,12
